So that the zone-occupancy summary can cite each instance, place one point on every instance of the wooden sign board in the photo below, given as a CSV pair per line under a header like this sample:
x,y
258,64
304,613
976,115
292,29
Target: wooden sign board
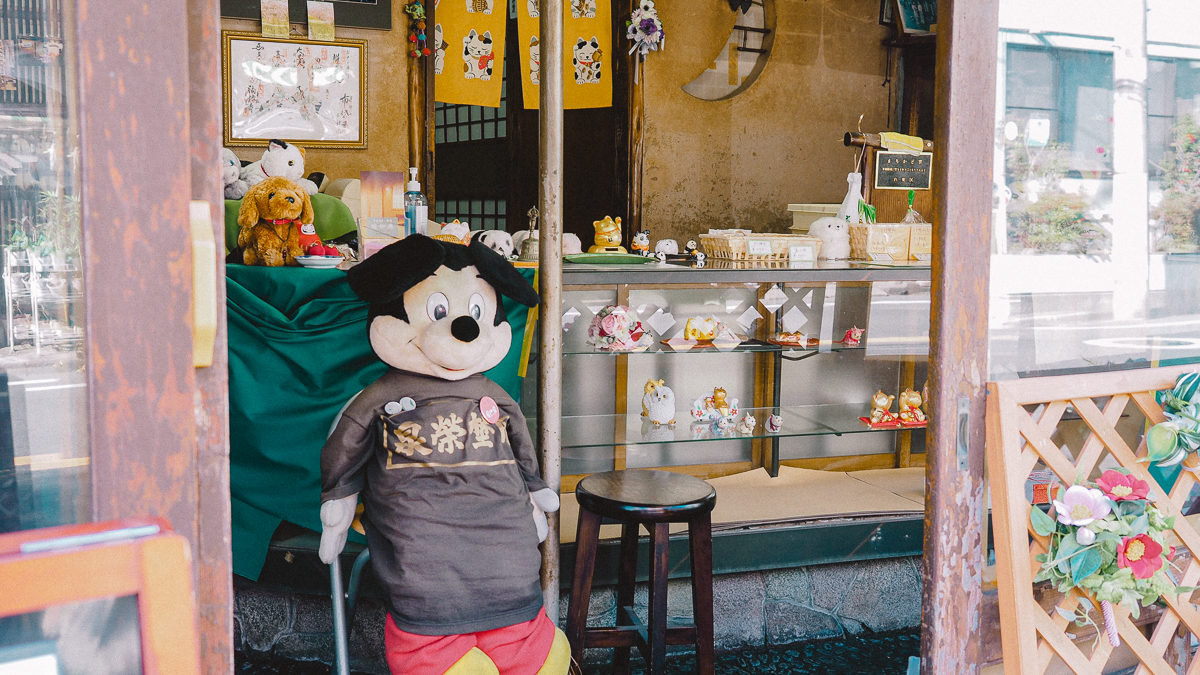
x,y
902,171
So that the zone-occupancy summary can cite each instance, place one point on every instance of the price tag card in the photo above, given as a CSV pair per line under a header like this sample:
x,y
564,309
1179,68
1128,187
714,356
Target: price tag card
x,y
758,247
923,257
880,257
802,253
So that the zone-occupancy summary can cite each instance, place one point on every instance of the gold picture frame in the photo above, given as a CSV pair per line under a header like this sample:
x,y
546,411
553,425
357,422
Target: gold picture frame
x,y
277,92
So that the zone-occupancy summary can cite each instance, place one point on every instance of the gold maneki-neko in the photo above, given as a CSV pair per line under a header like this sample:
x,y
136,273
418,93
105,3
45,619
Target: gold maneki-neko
x,y
608,236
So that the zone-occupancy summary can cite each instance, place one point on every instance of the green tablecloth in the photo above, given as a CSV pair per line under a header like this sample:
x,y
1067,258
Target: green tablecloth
x,y
298,350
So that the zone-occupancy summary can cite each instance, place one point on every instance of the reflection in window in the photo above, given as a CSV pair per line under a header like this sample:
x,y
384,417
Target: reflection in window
x,y
44,463
1097,198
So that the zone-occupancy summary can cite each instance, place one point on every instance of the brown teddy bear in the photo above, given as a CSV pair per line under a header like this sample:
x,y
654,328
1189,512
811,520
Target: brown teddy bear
x,y
271,218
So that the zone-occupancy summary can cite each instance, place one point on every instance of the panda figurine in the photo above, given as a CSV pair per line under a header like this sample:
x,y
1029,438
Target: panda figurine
x,y
498,240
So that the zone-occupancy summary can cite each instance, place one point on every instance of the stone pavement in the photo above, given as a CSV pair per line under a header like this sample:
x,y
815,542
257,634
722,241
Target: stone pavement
x,y
862,654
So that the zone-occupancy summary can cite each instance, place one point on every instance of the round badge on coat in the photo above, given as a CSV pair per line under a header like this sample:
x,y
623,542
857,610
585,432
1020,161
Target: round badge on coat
x,y
491,411
403,405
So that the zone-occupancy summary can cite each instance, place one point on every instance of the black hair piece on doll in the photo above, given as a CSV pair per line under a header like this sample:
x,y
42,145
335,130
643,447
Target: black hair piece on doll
x,y
383,279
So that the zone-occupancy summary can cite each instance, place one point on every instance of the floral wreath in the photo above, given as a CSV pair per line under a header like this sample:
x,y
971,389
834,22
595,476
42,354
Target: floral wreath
x,y
1108,539
616,328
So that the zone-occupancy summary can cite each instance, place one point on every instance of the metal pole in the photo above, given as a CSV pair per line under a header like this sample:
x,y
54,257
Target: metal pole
x,y
550,185
965,111
341,648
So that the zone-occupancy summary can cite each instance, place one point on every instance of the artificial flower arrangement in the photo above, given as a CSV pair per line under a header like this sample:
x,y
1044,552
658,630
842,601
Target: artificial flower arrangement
x,y
616,328
1168,443
1109,540
645,30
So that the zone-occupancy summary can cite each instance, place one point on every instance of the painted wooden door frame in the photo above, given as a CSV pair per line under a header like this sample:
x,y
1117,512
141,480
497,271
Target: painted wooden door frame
x,y
150,128
964,119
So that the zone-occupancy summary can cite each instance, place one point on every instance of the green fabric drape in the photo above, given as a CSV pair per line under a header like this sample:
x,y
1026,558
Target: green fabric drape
x,y
298,350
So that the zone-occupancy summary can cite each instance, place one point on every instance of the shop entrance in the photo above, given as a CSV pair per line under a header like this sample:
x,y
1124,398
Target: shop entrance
x,y
487,158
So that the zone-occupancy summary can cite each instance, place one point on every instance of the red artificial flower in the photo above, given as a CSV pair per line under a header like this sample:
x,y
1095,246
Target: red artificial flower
x,y
1120,487
1171,553
1141,554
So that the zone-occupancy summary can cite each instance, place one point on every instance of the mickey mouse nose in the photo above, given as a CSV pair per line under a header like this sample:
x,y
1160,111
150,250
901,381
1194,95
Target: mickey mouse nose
x,y
464,329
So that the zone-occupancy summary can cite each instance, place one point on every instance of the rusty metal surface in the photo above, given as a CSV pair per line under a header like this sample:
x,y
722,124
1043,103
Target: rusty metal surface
x,y
214,557
134,126
550,187
954,507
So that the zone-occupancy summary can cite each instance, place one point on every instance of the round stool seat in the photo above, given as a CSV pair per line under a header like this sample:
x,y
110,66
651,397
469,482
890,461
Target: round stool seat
x,y
645,496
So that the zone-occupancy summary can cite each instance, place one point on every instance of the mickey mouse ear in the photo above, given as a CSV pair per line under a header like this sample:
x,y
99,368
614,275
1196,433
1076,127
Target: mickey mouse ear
x,y
386,275
501,274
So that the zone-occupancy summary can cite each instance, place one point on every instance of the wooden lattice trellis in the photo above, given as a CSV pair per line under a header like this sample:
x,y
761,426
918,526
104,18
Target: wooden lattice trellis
x,y
1022,416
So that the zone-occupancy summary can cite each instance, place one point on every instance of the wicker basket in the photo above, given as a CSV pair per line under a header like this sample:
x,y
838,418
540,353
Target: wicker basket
x,y
738,246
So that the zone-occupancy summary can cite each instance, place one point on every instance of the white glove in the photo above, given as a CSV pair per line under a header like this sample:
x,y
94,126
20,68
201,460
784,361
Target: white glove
x,y
544,501
336,517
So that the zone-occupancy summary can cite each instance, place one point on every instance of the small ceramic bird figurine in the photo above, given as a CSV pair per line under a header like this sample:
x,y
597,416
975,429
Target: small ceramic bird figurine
x,y
881,406
910,407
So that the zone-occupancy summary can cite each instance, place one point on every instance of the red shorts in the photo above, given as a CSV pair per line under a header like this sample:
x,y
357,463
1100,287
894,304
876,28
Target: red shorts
x,y
520,649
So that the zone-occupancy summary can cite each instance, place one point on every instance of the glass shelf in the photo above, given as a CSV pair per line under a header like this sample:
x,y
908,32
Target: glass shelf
x,y
590,431
749,346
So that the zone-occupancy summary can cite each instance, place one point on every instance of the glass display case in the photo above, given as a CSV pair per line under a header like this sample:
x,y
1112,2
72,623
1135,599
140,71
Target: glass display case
x,y
818,390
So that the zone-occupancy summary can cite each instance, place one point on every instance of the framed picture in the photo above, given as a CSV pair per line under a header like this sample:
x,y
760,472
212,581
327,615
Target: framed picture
x,y
375,14
887,14
304,91
916,16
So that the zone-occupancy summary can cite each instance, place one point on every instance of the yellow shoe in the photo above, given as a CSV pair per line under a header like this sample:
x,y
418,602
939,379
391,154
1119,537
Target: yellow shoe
x,y
558,661
475,662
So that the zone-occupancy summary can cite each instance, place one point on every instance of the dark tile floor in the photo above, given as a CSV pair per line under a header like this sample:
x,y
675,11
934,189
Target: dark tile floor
x,y
875,654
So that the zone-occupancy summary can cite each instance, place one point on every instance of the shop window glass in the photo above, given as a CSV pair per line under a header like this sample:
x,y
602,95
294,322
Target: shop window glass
x,y
1095,260
457,123
44,463
482,214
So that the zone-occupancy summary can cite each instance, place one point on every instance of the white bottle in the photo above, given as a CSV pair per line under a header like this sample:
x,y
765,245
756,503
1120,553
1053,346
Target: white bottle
x,y
849,211
416,207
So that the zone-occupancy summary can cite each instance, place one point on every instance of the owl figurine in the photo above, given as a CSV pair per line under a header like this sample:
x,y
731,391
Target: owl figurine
x,y
658,403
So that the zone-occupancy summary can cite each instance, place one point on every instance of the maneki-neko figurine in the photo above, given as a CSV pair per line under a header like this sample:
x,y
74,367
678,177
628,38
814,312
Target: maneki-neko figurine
x,y
709,408
910,408
881,409
608,236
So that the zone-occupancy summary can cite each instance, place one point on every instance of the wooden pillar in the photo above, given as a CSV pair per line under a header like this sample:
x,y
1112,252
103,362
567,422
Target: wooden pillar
x,y
213,555
954,505
550,188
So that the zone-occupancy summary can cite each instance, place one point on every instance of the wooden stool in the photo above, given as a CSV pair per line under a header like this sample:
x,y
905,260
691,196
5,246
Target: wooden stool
x,y
653,499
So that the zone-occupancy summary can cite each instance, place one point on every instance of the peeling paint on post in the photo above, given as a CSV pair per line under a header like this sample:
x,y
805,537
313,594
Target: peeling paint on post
x,y
954,504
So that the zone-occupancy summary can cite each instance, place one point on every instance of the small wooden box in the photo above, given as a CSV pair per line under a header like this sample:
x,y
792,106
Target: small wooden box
x,y
920,242
880,241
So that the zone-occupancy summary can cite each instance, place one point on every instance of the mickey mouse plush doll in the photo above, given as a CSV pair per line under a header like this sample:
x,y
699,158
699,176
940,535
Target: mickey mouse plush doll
x,y
449,480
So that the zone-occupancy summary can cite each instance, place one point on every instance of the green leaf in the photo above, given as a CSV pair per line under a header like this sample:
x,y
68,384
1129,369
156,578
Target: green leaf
x,y
1134,507
1162,441
1140,525
1042,523
1066,614
1085,565
1184,590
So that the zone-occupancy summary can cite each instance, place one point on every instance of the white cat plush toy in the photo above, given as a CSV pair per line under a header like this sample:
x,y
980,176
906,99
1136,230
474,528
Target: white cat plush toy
x,y
834,235
279,159
231,171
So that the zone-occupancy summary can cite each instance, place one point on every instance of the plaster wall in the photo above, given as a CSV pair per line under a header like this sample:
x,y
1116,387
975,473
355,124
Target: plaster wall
x,y
387,102
740,162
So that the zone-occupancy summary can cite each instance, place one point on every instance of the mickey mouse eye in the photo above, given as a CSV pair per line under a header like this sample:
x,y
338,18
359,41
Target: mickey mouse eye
x,y
476,307
291,162
437,306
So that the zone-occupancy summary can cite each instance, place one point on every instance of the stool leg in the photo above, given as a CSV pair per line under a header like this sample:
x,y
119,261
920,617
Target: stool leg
x,y
657,628
586,539
626,577
700,539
